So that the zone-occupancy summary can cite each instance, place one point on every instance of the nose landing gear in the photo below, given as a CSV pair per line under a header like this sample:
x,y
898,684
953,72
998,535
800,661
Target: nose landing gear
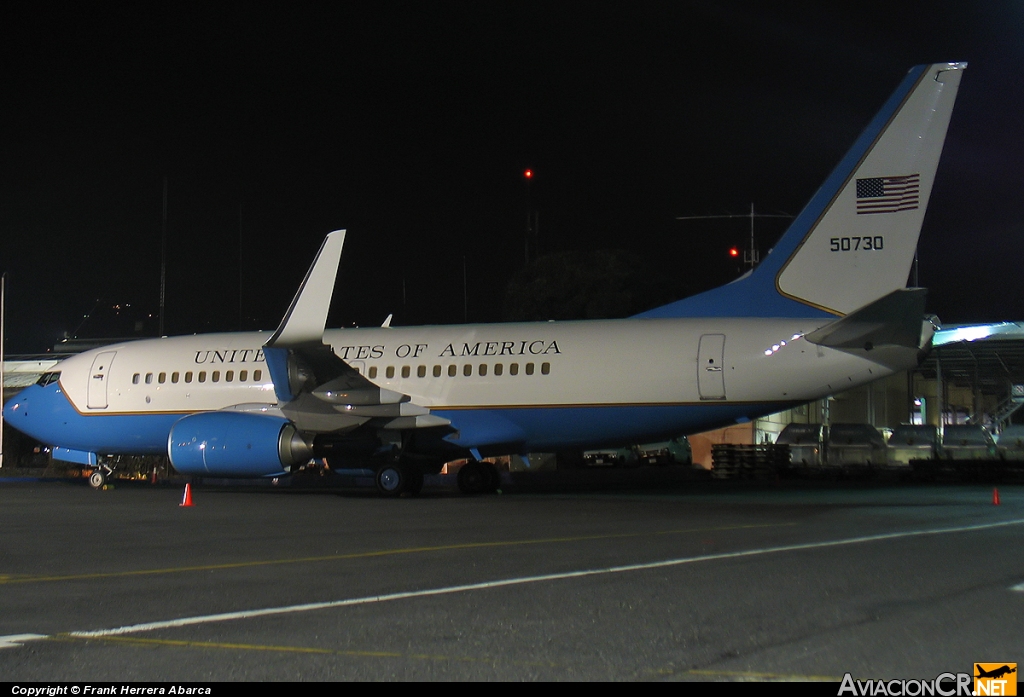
x,y
98,477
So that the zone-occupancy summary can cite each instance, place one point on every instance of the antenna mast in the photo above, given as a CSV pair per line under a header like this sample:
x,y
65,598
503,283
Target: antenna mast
x,y
751,255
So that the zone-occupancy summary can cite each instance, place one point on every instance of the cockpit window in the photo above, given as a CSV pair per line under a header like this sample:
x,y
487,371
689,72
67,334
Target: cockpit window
x,y
48,378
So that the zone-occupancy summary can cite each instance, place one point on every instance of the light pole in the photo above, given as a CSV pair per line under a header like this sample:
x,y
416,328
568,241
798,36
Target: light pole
x,y
163,259
530,227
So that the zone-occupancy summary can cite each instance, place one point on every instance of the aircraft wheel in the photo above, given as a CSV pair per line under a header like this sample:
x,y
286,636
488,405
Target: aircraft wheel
x,y
396,479
415,485
97,479
471,478
391,480
478,478
492,477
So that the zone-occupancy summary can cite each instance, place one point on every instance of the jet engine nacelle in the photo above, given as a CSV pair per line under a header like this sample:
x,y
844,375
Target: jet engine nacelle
x,y
236,444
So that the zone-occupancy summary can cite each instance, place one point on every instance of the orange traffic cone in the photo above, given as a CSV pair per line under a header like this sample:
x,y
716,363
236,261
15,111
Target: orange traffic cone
x,y
995,496
186,500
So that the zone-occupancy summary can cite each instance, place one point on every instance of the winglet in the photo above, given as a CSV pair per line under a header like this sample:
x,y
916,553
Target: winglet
x,y
304,322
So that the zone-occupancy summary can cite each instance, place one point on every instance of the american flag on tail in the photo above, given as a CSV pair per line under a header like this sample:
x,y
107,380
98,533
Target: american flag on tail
x,y
888,194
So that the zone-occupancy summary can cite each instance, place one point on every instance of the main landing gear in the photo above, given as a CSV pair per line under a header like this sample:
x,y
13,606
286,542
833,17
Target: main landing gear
x,y
478,478
394,479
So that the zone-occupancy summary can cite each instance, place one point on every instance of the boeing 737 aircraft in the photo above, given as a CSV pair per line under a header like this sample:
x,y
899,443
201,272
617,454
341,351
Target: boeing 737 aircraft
x,y
826,311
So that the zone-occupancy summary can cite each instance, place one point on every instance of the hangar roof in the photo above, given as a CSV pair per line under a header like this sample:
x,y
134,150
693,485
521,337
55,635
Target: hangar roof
x,y
990,356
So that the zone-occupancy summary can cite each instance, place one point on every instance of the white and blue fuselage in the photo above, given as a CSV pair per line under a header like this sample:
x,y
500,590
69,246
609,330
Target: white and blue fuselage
x,y
549,385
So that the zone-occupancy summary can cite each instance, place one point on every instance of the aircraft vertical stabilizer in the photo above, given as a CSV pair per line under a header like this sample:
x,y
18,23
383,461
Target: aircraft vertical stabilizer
x,y
855,240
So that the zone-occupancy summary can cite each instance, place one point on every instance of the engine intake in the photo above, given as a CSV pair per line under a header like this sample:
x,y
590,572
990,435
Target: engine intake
x,y
235,444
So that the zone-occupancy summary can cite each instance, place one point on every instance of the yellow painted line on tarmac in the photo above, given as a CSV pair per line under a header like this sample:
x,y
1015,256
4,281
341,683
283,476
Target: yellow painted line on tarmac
x,y
752,676
10,579
310,650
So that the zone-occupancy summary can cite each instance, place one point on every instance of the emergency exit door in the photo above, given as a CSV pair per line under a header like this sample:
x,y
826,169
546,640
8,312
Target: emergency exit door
x,y
98,380
711,366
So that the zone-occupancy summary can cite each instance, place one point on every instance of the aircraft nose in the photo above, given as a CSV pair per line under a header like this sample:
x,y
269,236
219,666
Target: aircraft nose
x,y
17,412
15,407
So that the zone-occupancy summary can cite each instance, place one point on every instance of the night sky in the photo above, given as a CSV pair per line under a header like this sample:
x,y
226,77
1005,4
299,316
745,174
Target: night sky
x,y
411,124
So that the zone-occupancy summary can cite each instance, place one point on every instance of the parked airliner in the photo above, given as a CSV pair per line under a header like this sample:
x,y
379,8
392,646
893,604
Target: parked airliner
x,y
826,311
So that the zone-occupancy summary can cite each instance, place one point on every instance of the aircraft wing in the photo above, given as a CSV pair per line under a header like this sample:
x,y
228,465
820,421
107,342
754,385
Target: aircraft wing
x,y
317,390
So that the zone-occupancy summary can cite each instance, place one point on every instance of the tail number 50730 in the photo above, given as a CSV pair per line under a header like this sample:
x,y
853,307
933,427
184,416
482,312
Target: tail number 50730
x,y
853,244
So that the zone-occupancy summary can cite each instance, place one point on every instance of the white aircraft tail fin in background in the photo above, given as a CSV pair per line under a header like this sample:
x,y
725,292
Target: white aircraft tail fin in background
x,y
855,240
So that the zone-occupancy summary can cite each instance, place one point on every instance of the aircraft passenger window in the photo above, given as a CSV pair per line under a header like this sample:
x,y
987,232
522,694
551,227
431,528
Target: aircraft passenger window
x,y
174,377
390,372
529,368
373,372
257,374
421,371
467,370
483,369
453,370
497,369
202,376
162,378
405,371
216,376
242,375
545,368
149,378
437,371
135,379
513,369
229,376
188,376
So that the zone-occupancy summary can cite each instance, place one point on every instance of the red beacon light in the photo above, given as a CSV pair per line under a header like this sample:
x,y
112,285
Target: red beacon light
x,y
734,252
528,174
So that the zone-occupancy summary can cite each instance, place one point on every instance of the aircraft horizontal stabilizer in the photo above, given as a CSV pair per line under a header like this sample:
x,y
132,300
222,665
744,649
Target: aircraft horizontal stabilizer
x,y
893,320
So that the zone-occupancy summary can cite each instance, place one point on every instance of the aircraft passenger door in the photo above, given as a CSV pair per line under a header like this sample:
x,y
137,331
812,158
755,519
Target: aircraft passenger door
x,y
711,366
98,380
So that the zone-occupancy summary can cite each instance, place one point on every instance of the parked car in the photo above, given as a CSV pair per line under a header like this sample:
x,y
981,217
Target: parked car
x,y
671,452
624,457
